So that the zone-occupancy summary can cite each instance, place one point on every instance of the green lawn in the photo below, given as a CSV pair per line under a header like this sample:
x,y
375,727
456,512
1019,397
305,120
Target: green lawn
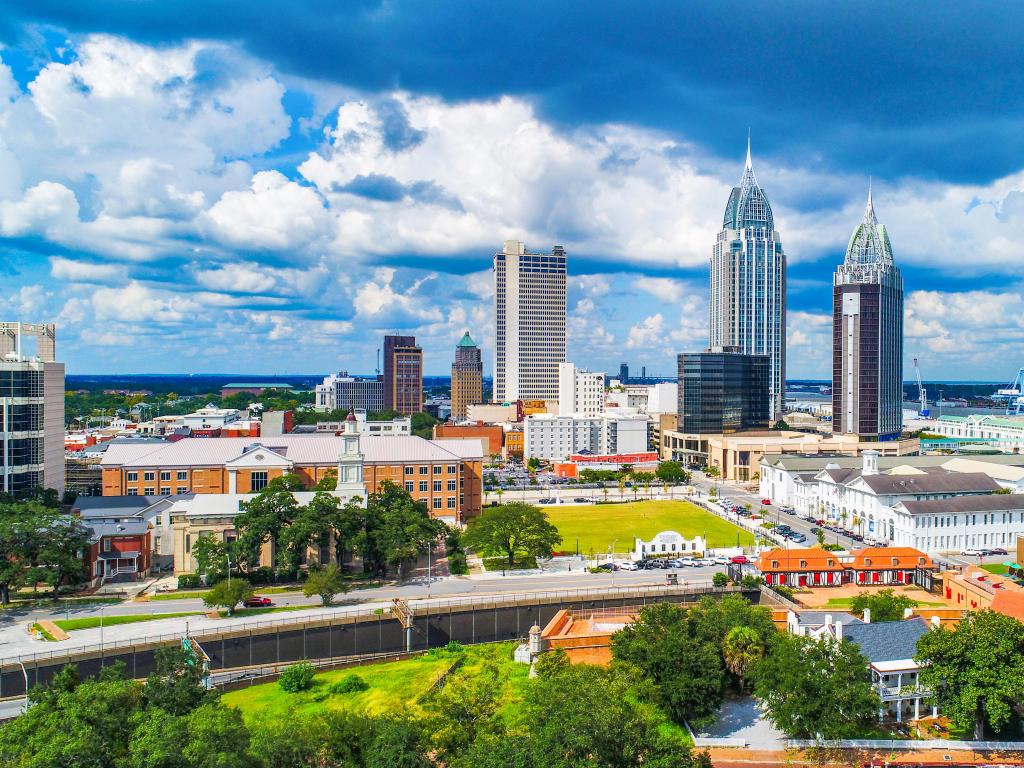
x,y
91,622
598,525
845,603
997,568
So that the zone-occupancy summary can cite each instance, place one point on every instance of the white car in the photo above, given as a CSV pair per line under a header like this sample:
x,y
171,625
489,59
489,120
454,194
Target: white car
x,y
721,561
706,561
628,565
973,552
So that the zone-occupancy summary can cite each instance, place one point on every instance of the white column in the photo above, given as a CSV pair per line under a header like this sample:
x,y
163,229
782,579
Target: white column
x,y
917,709
232,480
899,711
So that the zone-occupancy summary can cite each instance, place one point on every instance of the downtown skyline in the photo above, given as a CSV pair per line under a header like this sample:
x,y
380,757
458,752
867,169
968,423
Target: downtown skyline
x,y
169,197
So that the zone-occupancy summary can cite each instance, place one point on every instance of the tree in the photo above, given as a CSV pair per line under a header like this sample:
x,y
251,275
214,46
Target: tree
x,y
325,582
687,670
719,579
210,554
780,425
817,688
885,605
742,648
227,595
175,685
672,472
395,530
265,517
511,529
533,463
38,542
713,471
59,557
217,737
459,710
976,671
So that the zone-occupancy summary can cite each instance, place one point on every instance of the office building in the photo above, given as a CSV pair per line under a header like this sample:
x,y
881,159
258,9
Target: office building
x,y
722,391
579,391
867,336
552,437
341,391
529,309
467,377
624,373
748,284
31,409
403,374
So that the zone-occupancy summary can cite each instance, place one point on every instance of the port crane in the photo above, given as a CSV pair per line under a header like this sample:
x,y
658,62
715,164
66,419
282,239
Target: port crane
x,y
923,411
1013,395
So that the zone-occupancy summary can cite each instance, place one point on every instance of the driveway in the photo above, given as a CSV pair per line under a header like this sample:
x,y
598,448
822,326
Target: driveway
x,y
741,718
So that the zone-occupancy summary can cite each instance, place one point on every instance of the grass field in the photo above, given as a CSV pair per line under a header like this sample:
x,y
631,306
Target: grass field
x,y
599,525
90,622
846,602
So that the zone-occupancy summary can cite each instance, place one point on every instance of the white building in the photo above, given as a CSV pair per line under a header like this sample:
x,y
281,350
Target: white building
x,y
341,391
579,391
383,428
210,417
1005,433
31,409
554,438
667,543
529,310
651,399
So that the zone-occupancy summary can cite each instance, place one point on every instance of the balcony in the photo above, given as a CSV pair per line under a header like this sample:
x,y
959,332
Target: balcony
x,y
902,692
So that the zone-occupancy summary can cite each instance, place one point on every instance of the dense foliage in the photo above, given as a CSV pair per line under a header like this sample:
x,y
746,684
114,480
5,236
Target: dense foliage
x,y
885,605
976,671
512,529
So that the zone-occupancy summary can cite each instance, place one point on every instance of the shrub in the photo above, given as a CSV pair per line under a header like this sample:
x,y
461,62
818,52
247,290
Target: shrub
x,y
454,646
349,684
457,564
187,580
784,591
719,579
298,677
750,581
262,575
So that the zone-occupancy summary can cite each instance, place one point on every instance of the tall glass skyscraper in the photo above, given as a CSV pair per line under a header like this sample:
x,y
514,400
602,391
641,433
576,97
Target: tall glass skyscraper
x,y
748,284
867,336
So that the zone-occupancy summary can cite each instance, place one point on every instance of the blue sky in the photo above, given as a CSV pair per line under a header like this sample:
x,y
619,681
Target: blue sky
x,y
238,187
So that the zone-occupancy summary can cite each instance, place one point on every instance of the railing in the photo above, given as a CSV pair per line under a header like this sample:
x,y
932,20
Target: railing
x,y
891,693
430,604
915,744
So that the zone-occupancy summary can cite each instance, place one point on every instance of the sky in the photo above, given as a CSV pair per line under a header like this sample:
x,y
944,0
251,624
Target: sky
x,y
270,187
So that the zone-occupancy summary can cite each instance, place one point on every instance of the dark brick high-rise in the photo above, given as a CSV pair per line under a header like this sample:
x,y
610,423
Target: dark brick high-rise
x,y
867,336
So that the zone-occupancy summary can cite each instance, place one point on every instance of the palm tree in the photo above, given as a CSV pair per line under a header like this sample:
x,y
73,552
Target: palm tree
x,y
622,488
742,649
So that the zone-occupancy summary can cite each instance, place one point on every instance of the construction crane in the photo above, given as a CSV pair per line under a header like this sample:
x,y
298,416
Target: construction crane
x,y
923,411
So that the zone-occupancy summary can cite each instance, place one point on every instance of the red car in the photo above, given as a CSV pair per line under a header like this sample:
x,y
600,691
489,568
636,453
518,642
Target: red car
x,y
257,601
739,560
766,502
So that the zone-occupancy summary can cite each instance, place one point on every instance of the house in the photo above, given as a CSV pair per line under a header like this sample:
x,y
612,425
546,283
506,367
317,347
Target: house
x,y
117,552
155,511
800,567
887,565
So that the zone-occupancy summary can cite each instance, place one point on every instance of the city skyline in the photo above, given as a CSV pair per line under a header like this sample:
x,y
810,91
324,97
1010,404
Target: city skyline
x,y
173,191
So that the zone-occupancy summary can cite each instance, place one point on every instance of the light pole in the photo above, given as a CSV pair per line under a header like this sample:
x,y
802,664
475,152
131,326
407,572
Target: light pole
x,y
102,609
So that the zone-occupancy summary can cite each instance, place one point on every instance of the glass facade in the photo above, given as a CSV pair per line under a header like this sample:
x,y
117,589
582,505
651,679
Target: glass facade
x,y
723,392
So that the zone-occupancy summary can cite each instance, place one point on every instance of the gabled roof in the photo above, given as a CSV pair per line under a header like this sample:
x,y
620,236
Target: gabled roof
x,y
933,482
887,640
798,561
996,502
885,558
817,618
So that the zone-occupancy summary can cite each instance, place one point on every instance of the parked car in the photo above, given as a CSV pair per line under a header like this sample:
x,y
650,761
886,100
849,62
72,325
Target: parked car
x,y
721,561
739,560
581,500
706,561
973,552
857,536
998,551
766,502
547,501
815,530
628,565
257,601
799,538
608,567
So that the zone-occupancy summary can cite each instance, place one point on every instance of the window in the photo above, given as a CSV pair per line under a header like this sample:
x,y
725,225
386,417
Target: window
x,y
181,489
133,491
149,476
156,545
452,469
164,476
410,470
423,486
149,491
409,486
424,470
131,477
106,545
165,491
437,486
258,481
451,485
451,502
437,503
437,469
183,475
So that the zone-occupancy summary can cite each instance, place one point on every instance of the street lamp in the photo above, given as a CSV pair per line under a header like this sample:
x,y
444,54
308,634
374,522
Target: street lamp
x,y
102,609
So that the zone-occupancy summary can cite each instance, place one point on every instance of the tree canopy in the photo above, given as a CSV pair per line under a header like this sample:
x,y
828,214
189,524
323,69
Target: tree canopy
x,y
672,472
885,605
817,688
976,670
512,529
395,530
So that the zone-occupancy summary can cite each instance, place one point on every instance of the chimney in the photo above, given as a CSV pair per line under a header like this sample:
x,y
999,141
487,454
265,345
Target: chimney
x,y
908,612
828,619
935,622
870,465
867,615
839,631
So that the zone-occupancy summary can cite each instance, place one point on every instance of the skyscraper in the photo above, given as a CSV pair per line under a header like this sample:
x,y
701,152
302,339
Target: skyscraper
x,y
748,284
403,374
467,377
31,410
867,336
529,309
722,391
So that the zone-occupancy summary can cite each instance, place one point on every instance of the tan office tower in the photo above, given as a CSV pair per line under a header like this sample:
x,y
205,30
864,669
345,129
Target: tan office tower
x,y
467,377
31,409
403,374
529,309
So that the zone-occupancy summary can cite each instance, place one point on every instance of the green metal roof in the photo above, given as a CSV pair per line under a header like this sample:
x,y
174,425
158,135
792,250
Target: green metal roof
x,y
254,385
466,341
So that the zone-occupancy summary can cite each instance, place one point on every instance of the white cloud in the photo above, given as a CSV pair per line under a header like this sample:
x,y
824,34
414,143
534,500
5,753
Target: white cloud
x,y
662,288
84,272
646,334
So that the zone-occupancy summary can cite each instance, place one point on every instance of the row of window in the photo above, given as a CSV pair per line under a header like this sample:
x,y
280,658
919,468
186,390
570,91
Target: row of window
x,y
152,491
425,470
424,486
132,477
